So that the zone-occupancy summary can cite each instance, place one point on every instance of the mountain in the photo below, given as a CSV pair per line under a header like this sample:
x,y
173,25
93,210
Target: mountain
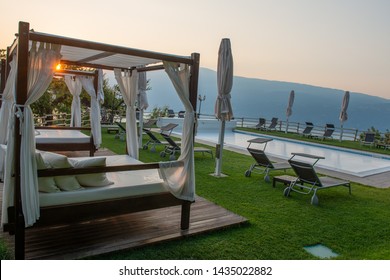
x,y
256,98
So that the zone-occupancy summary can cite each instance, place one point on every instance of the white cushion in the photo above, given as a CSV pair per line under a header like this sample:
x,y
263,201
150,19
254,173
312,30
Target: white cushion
x,y
56,160
95,179
68,183
65,183
45,184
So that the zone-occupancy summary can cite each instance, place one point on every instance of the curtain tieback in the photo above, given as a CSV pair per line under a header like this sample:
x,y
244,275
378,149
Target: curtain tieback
x,y
20,115
19,112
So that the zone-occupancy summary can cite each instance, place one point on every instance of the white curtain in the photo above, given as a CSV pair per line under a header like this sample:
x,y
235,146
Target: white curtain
x,y
142,102
181,180
100,86
5,111
8,101
128,85
75,88
96,129
42,62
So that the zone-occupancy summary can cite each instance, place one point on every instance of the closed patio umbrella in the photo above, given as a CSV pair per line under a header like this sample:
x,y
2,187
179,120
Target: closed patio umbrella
x,y
289,107
343,113
223,107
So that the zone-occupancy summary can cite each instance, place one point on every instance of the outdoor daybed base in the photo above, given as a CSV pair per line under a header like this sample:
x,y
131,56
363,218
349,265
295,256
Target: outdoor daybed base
x,y
61,138
137,187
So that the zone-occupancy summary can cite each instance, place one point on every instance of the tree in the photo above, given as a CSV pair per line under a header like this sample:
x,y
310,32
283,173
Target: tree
x,y
113,102
3,54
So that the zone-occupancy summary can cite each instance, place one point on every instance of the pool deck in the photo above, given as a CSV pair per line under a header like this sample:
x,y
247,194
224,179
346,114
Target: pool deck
x,y
381,180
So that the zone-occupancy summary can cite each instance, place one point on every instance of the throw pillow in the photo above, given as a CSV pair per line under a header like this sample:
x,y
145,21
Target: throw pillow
x,y
95,179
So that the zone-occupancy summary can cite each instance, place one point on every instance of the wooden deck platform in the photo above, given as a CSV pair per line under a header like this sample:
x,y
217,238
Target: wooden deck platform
x,y
123,232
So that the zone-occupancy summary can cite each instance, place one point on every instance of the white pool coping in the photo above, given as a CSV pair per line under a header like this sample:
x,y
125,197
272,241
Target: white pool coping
x,y
356,163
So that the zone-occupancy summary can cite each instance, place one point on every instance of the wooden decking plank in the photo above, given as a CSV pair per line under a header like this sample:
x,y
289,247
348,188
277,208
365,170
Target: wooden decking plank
x,y
125,231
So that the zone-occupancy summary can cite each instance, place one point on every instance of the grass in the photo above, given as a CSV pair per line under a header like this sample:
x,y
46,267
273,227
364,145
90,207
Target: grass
x,y
355,226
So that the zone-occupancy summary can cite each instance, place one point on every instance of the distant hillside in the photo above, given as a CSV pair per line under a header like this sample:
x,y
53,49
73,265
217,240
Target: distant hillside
x,y
263,98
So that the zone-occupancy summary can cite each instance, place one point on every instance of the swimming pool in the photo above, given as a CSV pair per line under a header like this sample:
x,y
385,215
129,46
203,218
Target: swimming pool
x,y
356,163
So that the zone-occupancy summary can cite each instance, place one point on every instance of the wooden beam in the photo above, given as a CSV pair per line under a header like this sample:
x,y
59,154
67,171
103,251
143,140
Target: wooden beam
x,y
100,169
41,37
55,127
105,67
96,57
21,97
74,72
13,48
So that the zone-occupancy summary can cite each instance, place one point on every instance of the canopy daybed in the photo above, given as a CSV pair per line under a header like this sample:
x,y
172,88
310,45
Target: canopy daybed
x,y
71,138
32,58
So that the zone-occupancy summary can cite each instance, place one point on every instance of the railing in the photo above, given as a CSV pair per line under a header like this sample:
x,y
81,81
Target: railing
x,y
60,119
349,134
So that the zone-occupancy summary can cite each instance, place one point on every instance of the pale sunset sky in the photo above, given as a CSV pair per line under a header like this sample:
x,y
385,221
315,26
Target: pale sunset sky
x,y
342,44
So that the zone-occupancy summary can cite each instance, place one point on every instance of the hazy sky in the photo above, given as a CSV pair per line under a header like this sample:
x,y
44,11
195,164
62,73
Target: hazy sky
x,y
343,44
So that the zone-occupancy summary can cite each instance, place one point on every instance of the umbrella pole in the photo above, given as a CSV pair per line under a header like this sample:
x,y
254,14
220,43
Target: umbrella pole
x,y
218,165
286,126
341,133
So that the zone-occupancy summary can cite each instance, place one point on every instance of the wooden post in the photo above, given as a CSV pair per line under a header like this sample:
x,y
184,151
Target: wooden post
x,y
21,97
185,215
194,79
2,78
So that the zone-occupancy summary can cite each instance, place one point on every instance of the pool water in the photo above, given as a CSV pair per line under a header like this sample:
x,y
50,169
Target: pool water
x,y
351,162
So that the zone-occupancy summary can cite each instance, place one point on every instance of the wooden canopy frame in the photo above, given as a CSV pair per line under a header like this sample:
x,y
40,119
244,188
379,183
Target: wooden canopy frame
x,y
21,47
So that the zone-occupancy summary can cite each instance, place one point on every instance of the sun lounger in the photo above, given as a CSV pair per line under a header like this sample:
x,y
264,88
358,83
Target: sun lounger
x,y
369,139
171,113
203,150
384,143
307,131
121,132
307,179
153,140
328,132
172,147
273,124
262,162
261,124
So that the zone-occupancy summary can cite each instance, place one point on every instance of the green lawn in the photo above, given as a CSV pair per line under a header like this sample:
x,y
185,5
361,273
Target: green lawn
x,y
355,226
